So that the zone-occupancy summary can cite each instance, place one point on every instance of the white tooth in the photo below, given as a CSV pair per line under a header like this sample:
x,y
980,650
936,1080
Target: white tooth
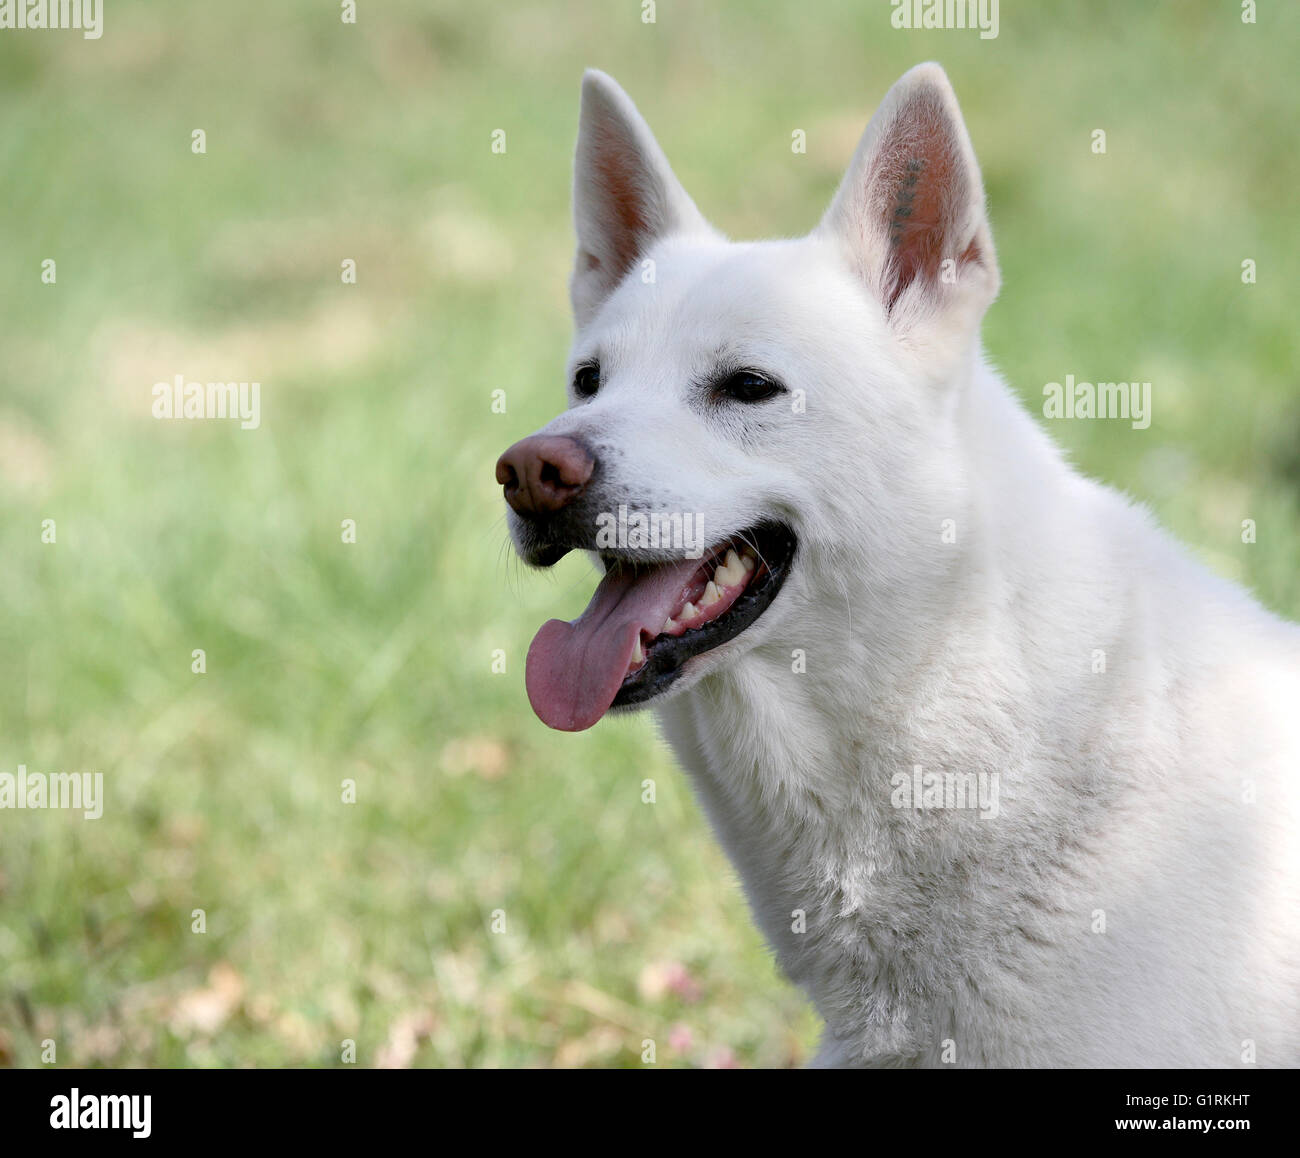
x,y
731,572
669,625
748,560
637,654
688,612
711,594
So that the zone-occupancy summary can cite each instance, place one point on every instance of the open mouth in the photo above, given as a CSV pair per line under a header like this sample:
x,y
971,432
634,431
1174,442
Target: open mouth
x,y
646,621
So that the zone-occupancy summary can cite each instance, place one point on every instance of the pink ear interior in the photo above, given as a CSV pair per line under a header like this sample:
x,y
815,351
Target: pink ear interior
x,y
618,171
920,193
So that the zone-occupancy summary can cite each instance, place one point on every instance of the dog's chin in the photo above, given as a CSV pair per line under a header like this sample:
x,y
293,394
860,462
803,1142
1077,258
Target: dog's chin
x,y
537,552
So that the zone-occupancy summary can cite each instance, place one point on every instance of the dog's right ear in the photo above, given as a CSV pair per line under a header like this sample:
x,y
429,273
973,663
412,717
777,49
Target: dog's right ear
x,y
625,195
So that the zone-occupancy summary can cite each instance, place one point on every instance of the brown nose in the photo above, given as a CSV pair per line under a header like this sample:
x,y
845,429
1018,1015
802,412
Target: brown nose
x,y
544,472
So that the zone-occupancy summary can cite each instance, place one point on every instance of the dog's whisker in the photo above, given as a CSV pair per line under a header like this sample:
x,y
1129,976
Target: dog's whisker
x,y
753,546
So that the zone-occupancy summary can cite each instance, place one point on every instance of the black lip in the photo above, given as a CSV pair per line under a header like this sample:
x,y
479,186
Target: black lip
x,y
667,655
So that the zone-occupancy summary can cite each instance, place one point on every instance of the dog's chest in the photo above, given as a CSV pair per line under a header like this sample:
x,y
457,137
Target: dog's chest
x,y
863,909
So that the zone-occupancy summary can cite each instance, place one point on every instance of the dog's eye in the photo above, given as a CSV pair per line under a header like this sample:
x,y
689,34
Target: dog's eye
x,y
586,380
748,386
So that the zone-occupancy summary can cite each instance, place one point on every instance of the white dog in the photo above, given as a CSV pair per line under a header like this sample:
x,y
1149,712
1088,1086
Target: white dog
x,y
1009,778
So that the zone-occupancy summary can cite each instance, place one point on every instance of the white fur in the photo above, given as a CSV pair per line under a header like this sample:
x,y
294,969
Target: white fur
x,y
1127,791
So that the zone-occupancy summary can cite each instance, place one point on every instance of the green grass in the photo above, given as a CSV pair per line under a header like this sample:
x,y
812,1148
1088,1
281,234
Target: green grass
x,y
372,662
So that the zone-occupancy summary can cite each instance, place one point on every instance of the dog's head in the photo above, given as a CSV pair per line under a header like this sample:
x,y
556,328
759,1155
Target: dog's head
x,y
747,423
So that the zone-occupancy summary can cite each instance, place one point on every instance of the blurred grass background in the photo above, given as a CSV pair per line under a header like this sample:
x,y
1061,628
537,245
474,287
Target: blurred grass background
x,y
372,661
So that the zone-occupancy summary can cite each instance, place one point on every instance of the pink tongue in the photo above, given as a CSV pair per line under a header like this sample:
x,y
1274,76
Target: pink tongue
x,y
574,669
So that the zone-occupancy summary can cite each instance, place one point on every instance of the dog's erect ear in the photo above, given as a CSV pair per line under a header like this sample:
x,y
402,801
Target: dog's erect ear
x,y
910,210
625,195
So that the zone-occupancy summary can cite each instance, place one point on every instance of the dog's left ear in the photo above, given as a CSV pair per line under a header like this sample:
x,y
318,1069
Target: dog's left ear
x,y
910,210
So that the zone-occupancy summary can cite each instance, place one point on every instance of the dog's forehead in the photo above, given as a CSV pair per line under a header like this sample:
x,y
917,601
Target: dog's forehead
x,y
692,298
